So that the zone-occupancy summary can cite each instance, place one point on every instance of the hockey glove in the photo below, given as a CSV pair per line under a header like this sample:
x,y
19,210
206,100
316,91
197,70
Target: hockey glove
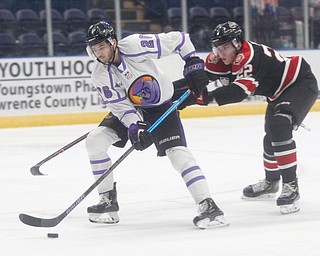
x,y
195,75
139,137
202,100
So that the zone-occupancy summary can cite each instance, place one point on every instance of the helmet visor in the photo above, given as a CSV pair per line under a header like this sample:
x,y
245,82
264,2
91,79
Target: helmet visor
x,y
216,41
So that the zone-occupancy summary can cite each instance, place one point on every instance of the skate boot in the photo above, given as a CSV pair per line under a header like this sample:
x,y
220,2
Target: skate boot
x,y
262,190
106,210
289,198
209,213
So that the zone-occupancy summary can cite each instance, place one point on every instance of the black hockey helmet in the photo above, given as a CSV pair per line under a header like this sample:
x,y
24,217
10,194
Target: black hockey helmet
x,y
226,32
99,32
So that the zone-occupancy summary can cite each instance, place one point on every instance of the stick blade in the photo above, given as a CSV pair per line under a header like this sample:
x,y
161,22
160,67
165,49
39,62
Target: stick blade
x,y
35,170
38,222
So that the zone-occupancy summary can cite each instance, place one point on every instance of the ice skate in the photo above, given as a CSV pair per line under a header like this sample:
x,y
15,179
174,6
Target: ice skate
x,y
263,190
106,210
289,198
209,214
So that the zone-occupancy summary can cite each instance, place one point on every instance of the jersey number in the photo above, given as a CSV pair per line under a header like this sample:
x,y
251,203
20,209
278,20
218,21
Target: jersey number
x,y
146,43
270,53
105,91
246,71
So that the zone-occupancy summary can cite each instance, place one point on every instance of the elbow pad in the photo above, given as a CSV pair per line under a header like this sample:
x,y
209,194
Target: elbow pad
x,y
228,94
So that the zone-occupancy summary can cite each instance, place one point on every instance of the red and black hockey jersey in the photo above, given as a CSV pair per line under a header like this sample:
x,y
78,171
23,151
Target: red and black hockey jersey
x,y
256,70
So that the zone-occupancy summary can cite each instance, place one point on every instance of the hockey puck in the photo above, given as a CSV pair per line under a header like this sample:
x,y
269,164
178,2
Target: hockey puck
x,y
53,235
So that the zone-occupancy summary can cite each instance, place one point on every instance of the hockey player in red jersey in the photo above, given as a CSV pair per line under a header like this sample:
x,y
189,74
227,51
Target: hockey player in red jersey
x,y
246,68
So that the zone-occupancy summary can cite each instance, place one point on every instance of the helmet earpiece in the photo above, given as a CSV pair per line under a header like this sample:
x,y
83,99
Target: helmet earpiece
x,y
235,42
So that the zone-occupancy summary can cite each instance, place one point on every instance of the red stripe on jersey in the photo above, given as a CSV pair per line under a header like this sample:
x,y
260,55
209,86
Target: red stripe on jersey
x,y
250,84
286,159
270,165
244,56
290,74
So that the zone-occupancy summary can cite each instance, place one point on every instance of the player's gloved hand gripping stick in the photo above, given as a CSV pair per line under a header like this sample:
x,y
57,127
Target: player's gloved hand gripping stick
x,y
139,135
40,222
195,75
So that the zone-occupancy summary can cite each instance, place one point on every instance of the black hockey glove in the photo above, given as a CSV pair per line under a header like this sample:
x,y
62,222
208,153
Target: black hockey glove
x,y
195,75
139,137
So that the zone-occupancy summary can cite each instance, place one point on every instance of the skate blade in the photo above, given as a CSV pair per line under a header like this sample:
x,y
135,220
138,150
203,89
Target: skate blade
x,y
218,222
265,197
290,208
104,218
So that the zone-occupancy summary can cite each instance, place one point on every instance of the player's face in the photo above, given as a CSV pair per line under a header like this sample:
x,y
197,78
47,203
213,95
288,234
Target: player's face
x,y
227,52
103,51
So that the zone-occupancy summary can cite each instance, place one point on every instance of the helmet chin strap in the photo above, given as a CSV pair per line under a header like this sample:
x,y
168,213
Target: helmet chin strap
x,y
235,44
114,53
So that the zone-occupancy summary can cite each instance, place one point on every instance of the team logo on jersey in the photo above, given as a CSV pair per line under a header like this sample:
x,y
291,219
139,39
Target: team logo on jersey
x,y
144,90
238,59
224,81
118,84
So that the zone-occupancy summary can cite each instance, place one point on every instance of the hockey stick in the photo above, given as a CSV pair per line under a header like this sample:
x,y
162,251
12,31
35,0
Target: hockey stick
x,y
41,222
35,169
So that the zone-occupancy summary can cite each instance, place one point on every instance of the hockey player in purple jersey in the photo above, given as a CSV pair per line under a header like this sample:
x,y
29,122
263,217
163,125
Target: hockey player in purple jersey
x,y
137,94
246,68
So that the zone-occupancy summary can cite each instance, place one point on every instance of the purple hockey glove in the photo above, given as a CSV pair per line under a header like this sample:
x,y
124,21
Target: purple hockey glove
x,y
139,137
195,75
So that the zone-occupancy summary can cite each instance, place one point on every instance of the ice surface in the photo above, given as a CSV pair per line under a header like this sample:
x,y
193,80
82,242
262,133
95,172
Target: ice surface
x,y
156,210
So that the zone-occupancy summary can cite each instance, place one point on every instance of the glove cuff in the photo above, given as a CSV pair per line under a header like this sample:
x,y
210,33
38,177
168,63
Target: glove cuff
x,y
193,64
